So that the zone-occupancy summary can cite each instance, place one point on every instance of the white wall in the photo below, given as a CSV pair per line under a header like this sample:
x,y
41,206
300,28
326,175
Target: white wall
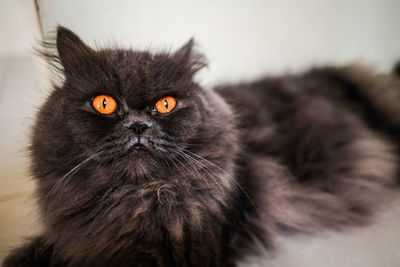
x,y
22,89
242,39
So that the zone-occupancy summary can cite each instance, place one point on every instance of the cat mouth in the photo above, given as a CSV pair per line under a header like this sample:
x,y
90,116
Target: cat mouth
x,y
138,146
137,143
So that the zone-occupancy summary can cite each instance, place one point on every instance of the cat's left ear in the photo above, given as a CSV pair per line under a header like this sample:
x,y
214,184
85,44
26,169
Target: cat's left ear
x,y
190,57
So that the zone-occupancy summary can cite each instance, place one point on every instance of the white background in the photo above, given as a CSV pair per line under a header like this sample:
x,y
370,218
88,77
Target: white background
x,y
242,39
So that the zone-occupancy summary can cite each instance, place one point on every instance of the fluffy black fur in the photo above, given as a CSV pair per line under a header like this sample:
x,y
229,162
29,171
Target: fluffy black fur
x,y
215,178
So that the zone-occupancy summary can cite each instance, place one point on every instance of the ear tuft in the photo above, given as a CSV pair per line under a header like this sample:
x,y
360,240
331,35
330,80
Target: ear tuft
x,y
189,56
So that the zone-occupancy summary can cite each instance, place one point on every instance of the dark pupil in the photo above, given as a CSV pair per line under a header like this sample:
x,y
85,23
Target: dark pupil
x,y
104,103
166,103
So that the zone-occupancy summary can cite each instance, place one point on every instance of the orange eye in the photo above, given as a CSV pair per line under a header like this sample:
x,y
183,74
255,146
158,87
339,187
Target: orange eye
x,y
104,104
165,104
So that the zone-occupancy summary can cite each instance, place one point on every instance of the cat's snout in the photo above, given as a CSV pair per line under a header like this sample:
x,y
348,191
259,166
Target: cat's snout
x,y
138,127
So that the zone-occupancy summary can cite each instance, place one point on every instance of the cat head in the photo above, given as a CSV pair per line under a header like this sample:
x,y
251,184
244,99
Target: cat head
x,y
132,113
121,106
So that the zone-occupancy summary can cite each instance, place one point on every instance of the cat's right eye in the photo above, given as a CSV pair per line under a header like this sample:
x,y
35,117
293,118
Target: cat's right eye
x,y
104,104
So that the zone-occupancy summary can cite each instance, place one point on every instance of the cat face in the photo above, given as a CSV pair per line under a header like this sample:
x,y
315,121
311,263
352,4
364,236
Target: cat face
x,y
142,132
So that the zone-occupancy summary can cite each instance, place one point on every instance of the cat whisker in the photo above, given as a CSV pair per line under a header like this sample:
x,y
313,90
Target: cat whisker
x,y
209,172
69,174
168,157
193,162
229,176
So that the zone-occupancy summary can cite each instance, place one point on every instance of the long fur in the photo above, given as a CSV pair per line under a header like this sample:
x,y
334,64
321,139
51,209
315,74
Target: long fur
x,y
222,174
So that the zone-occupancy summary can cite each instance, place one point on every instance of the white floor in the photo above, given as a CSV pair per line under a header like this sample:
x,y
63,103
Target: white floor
x,y
377,245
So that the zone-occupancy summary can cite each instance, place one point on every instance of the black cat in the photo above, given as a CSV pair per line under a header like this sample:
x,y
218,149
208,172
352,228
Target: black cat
x,y
137,165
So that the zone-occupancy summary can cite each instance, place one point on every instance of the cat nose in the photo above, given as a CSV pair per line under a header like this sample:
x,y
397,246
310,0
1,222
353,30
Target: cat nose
x,y
138,127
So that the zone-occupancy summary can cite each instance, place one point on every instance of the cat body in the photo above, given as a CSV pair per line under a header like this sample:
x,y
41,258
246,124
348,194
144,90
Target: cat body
x,y
214,178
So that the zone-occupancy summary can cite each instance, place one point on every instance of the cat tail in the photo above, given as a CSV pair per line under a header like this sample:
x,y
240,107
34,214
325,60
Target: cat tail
x,y
379,98
377,95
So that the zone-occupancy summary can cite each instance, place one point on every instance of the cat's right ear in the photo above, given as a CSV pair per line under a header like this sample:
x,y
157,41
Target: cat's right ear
x,y
190,57
72,51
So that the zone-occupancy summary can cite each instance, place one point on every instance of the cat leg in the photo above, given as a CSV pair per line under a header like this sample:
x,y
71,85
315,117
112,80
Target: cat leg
x,y
34,254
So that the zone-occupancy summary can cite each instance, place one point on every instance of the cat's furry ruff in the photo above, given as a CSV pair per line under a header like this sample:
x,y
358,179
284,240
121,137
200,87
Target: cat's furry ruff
x,y
224,173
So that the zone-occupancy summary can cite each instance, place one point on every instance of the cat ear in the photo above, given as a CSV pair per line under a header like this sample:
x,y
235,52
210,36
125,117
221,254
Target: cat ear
x,y
189,56
72,51
185,51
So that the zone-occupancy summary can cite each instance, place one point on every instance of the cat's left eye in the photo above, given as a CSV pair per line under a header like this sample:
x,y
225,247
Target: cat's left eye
x,y
104,104
165,104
